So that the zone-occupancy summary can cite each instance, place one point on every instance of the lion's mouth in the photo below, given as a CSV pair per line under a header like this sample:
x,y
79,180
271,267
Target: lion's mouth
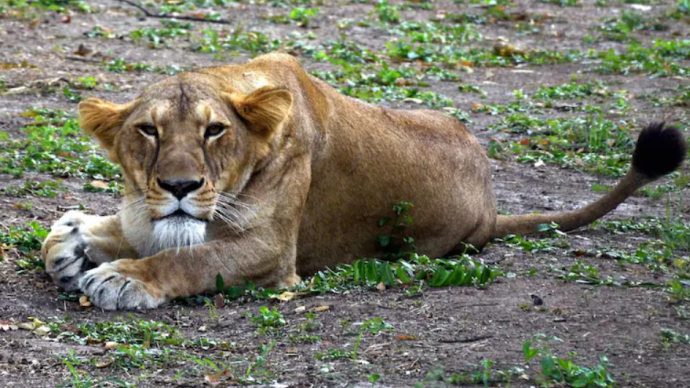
x,y
178,229
180,214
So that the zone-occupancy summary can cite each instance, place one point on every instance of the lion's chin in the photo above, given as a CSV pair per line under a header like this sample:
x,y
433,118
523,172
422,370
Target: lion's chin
x,y
178,231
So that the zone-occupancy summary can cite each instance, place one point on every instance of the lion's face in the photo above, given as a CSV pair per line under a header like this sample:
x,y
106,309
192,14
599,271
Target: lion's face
x,y
187,146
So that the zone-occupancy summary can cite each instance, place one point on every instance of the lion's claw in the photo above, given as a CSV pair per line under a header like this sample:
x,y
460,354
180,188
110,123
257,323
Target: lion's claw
x,y
65,252
109,289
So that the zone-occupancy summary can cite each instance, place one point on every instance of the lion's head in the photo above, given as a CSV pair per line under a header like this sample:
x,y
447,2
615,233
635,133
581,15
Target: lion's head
x,y
187,146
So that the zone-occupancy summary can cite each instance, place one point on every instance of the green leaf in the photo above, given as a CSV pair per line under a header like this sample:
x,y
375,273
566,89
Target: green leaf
x,y
220,283
235,292
360,272
456,276
384,240
402,275
386,274
528,351
372,272
543,228
439,278
547,365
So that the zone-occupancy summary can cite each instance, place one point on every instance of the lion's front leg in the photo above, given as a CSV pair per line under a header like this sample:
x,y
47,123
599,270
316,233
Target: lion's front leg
x,y
79,242
149,282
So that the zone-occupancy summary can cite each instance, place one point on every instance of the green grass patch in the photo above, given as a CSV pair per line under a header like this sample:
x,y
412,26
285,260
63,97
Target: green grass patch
x,y
372,326
555,370
157,37
23,8
382,84
591,144
669,336
48,189
571,91
254,42
414,273
119,65
25,239
60,150
583,273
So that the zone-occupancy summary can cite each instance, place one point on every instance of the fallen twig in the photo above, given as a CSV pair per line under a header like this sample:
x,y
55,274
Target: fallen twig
x,y
82,59
164,16
476,305
68,208
465,340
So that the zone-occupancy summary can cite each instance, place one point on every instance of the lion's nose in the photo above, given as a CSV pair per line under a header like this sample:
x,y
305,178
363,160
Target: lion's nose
x,y
180,188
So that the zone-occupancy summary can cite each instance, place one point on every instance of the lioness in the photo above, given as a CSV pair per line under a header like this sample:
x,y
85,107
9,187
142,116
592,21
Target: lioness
x,y
261,172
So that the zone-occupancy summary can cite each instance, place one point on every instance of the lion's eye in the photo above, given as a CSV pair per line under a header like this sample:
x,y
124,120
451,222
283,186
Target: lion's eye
x,y
214,129
148,129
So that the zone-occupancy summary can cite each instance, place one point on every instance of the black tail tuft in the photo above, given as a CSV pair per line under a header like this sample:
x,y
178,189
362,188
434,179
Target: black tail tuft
x,y
659,150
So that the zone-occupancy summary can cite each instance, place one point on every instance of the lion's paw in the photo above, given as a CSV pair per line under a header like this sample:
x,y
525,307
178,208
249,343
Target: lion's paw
x,y
65,251
111,288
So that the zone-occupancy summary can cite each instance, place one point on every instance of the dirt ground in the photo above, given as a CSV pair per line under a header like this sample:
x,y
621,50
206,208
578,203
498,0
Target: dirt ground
x,y
440,332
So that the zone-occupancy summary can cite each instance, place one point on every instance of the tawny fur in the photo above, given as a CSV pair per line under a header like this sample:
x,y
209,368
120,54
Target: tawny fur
x,y
295,184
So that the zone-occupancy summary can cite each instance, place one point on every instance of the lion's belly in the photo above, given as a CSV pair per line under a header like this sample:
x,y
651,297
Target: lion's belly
x,y
447,181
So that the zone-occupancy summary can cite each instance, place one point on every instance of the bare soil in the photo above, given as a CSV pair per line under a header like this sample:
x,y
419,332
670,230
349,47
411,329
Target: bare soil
x,y
449,329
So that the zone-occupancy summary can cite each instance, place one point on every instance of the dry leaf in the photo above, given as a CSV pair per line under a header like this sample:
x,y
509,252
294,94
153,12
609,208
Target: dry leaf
x,y
285,296
381,287
99,184
36,325
402,82
104,364
219,301
300,309
215,378
25,325
42,330
405,337
212,379
505,49
71,329
84,301
83,50
7,326
319,309
110,345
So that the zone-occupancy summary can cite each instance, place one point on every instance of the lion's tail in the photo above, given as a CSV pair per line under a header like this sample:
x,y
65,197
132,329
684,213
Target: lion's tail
x,y
659,151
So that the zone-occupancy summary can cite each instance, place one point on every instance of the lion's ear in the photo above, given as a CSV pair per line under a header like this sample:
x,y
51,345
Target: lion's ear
x,y
103,119
265,108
